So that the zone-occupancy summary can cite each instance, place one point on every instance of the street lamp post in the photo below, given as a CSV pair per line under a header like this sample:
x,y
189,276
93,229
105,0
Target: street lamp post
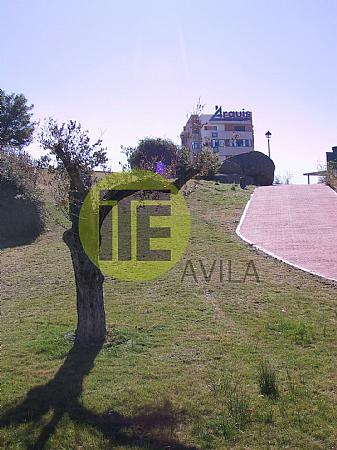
x,y
268,136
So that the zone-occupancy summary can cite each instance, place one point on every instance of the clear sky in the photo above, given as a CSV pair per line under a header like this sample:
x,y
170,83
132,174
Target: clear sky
x,y
131,69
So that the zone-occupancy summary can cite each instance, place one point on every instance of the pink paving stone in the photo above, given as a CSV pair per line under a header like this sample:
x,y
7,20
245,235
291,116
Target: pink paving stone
x,y
296,223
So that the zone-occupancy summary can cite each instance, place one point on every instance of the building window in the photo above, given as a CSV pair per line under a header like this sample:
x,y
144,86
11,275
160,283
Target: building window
x,y
215,143
214,134
211,127
239,128
237,142
196,145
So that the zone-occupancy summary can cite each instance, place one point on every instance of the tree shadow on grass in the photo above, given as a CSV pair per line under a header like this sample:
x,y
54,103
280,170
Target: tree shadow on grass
x,y
61,395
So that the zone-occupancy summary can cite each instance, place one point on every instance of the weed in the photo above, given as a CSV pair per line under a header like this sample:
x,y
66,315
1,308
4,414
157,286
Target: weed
x,y
267,380
298,332
234,401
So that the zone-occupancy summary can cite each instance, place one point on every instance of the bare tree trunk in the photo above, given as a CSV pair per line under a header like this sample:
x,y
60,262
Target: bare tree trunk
x,y
91,326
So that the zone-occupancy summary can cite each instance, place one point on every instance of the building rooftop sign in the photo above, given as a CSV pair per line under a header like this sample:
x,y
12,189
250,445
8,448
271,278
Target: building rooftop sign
x,y
230,115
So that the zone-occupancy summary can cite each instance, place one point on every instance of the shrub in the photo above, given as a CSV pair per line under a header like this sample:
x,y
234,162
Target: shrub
x,y
331,174
204,163
21,209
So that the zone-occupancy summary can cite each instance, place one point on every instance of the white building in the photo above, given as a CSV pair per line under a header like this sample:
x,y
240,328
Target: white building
x,y
228,133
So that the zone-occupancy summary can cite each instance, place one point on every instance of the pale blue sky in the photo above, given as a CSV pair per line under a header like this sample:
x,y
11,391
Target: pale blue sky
x,y
133,69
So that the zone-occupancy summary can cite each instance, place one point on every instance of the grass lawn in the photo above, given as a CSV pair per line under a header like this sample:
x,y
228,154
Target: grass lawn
x,y
182,369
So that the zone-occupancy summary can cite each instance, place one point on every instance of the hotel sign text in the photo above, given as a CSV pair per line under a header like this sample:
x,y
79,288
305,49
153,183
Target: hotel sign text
x,y
231,115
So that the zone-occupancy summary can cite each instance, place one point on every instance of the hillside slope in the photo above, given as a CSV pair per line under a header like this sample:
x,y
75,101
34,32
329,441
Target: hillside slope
x,y
181,370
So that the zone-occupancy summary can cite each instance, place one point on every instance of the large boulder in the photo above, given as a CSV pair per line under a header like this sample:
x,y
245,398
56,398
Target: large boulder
x,y
255,165
232,178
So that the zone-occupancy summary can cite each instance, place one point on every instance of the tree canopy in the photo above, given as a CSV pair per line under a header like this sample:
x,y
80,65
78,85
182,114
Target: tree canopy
x,y
16,126
150,152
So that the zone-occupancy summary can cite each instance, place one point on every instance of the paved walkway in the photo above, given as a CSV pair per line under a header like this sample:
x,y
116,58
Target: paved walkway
x,y
294,223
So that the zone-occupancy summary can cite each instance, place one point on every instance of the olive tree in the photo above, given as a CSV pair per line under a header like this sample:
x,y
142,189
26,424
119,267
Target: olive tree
x,y
76,157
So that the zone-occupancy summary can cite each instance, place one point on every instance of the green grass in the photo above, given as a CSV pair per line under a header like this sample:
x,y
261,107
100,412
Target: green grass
x,y
157,384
